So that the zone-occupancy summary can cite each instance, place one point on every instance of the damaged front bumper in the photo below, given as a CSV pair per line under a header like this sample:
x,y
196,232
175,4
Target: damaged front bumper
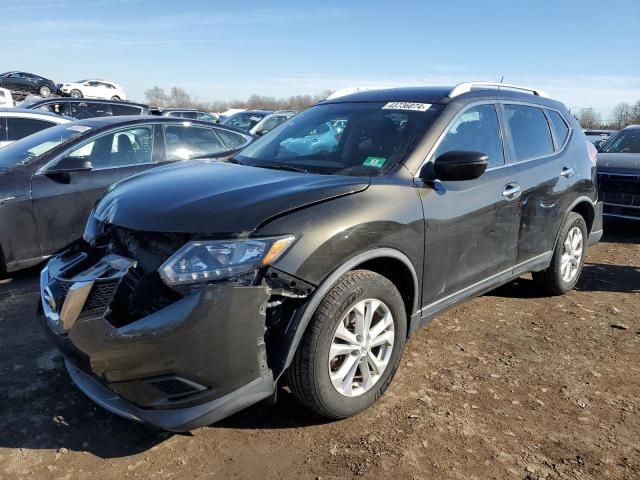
x,y
187,365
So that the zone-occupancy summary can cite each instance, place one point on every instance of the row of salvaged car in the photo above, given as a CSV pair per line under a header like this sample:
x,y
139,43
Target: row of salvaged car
x,y
21,84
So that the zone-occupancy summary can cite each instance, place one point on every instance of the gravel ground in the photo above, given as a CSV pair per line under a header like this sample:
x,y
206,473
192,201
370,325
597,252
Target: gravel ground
x,y
509,385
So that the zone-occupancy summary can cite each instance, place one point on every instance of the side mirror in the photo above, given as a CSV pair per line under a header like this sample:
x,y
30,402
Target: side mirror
x,y
456,165
70,164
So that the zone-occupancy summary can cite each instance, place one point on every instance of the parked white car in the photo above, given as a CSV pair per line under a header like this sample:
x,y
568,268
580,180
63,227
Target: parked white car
x,y
17,123
6,99
93,88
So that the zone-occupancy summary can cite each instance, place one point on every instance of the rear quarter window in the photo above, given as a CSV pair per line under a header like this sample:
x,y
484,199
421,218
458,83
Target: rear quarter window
x,y
560,127
529,131
125,110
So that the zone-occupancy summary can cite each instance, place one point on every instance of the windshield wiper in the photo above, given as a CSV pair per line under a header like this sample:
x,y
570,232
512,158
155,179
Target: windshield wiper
x,y
283,166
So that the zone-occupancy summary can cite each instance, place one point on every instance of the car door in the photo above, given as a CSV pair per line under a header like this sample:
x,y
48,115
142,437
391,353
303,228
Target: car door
x,y
3,132
62,201
471,226
541,168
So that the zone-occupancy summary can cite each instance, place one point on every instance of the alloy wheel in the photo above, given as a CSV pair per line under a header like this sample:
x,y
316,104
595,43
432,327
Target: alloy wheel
x,y
571,254
361,347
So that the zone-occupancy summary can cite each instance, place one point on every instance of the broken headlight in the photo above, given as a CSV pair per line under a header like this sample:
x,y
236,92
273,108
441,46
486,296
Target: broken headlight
x,y
209,261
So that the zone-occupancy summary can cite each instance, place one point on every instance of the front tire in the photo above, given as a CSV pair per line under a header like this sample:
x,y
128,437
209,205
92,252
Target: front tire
x,y
568,258
44,91
352,347
116,98
75,93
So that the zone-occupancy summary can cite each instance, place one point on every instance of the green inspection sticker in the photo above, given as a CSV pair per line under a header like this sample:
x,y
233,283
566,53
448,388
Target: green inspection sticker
x,y
375,162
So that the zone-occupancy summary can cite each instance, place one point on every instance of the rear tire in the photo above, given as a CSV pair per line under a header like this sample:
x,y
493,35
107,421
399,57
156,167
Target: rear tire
x,y
75,93
568,258
337,385
44,91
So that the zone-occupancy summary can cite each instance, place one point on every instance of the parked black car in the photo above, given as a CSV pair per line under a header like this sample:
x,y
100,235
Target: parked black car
x,y
27,83
81,108
201,285
619,174
50,180
598,137
185,113
246,119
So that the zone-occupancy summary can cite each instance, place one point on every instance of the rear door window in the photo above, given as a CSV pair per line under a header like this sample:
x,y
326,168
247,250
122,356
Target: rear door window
x,y
560,127
189,115
529,132
184,142
476,130
232,140
18,128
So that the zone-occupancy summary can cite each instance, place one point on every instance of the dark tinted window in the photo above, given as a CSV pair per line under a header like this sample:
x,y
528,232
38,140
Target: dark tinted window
x,y
124,147
560,128
625,141
186,142
56,107
477,130
125,110
189,115
174,114
529,131
82,110
18,128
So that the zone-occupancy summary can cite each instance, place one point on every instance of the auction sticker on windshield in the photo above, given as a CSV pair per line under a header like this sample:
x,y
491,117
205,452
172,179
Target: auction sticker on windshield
x,y
416,107
375,162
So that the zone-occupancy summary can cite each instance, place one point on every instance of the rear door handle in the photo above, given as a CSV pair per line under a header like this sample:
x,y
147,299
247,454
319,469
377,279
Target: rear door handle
x,y
566,172
511,191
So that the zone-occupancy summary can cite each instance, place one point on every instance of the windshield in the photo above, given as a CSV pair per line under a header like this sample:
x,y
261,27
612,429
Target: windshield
x,y
344,138
626,141
30,148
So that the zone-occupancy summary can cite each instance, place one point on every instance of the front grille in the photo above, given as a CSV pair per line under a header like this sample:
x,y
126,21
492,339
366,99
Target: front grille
x,y
623,190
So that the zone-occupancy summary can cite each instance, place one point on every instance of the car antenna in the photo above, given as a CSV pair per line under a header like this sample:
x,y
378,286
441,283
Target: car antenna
x,y
501,80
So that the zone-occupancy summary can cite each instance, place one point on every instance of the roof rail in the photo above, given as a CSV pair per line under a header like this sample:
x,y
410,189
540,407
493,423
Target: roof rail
x,y
468,86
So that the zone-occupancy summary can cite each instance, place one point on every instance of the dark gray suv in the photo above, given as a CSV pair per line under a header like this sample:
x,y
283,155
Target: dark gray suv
x,y
201,285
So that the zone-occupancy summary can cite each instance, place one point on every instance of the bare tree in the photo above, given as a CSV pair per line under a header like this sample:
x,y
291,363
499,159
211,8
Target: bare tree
x,y
180,98
635,113
621,116
589,118
156,97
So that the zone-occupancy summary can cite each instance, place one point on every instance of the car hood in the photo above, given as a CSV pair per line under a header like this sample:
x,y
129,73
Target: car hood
x,y
209,197
626,163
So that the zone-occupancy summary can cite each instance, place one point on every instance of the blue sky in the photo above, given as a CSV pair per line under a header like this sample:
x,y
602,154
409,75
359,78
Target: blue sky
x,y
586,53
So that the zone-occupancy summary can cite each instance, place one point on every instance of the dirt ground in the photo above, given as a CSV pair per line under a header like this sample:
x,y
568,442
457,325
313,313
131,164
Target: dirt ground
x,y
509,385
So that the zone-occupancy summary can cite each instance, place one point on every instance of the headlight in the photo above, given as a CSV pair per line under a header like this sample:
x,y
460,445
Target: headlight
x,y
207,261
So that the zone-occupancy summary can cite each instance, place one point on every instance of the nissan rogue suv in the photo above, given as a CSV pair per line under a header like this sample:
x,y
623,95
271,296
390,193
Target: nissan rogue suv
x,y
200,286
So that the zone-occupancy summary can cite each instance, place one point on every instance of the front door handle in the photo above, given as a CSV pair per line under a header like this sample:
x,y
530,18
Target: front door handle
x,y
566,172
511,191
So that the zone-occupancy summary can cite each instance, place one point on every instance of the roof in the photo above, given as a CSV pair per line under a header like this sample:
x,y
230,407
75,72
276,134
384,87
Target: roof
x,y
103,122
444,94
38,100
405,94
32,113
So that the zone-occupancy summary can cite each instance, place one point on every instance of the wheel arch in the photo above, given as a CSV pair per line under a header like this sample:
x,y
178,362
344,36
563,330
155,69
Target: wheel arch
x,y
584,206
388,262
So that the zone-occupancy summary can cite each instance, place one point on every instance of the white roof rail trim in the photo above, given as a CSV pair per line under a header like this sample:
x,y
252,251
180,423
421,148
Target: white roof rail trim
x,y
467,86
